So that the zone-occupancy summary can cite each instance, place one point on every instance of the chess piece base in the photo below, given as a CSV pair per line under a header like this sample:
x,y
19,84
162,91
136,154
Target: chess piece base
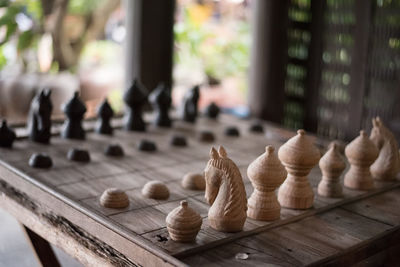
x,y
263,206
296,193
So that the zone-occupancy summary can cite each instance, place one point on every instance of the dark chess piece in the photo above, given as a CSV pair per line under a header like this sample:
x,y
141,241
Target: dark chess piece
x,y
41,161
39,123
161,100
190,102
114,150
135,97
104,113
79,155
7,135
212,111
74,110
146,145
178,141
232,131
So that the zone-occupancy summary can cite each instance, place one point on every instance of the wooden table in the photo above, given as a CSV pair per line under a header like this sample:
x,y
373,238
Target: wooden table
x,y
61,205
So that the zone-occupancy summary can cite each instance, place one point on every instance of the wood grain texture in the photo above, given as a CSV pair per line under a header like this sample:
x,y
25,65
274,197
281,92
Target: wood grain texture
x,y
72,191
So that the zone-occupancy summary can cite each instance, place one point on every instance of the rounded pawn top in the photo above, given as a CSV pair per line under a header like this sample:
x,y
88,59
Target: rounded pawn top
x,y
183,223
269,149
184,204
362,149
299,150
301,132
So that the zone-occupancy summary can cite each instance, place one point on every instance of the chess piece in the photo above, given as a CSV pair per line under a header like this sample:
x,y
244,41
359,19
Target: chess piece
x,y
7,135
206,136
79,155
155,190
266,173
114,198
104,114
114,150
332,165
135,97
256,127
160,98
183,223
360,153
74,111
146,145
179,141
39,122
190,102
232,131
212,111
193,181
299,156
41,161
225,193
387,165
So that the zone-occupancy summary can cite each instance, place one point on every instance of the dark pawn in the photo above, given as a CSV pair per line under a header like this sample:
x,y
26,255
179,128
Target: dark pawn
x,y
135,97
190,102
41,161
161,100
79,155
7,135
147,146
74,111
114,150
206,136
39,123
178,141
232,131
256,128
104,114
212,111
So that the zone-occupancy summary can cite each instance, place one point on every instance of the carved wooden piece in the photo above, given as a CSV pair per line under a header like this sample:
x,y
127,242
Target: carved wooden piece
x,y
266,173
332,165
387,165
183,223
155,190
225,193
39,122
360,153
299,156
114,198
194,181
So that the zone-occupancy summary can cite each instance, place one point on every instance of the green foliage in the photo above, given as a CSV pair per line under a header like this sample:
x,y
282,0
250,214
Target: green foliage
x,y
25,40
221,56
82,7
3,60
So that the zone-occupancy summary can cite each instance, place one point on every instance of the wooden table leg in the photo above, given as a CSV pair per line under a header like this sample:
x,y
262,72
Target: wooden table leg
x,y
41,248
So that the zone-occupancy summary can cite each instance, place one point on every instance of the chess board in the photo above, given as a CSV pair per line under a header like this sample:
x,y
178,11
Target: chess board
x,y
143,222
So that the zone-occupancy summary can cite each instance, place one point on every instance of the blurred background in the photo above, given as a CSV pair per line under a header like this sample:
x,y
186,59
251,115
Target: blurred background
x,y
327,66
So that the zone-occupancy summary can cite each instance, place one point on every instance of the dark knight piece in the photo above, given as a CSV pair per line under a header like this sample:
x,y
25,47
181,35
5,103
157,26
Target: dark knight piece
x,y
39,122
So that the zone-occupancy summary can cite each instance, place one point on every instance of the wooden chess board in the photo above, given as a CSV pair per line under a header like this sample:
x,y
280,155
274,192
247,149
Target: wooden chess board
x,y
299,237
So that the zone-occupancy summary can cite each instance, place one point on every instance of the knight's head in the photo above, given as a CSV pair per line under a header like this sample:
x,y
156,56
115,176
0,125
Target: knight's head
x,y
213,173
45,105
377,132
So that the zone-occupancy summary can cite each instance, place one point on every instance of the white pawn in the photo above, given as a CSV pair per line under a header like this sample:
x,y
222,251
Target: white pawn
x,y
266,173
332,165
361,153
